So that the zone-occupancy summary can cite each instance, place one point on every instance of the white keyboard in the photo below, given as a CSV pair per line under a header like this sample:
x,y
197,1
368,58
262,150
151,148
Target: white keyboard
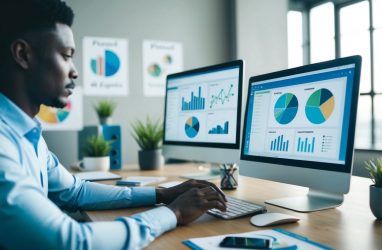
x,y
237,208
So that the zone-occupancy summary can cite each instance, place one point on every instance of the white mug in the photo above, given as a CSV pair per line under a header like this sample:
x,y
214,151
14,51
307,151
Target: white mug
x,y
95,163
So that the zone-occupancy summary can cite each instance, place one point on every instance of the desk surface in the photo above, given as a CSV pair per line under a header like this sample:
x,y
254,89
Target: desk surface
x,y
350,226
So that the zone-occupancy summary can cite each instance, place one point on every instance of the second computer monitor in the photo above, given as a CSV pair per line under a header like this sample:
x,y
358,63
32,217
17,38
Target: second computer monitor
x,y
299,129
202,114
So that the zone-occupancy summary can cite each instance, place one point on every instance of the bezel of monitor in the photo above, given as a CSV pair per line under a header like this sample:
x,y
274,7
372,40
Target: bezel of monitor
x,y
347,167
204,70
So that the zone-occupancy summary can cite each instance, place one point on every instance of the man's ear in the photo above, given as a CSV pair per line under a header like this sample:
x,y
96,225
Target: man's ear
x,y
21,53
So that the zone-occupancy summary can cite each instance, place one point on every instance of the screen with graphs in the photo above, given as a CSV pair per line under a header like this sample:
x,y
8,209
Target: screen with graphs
x,y
202,107
301,117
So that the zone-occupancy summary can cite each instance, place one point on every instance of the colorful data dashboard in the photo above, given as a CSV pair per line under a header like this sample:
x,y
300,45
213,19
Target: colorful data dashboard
x,y
203,107
299,117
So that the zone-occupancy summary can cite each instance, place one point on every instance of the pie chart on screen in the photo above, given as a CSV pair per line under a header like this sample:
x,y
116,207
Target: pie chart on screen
x,y
320,106
192,127
53,115
286,108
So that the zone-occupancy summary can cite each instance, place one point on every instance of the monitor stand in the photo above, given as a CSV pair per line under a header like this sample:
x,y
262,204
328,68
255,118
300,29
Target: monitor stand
x,y
314,201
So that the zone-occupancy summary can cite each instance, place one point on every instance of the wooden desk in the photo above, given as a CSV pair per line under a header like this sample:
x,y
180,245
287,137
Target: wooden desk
x,y
350,226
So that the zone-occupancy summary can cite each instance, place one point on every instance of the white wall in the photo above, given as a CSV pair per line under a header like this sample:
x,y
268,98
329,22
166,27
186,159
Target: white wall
x,y
202,26
261,35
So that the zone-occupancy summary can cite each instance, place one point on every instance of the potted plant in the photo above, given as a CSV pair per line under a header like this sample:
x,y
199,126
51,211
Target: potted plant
x,y
374,167
96,154
149,138
105,109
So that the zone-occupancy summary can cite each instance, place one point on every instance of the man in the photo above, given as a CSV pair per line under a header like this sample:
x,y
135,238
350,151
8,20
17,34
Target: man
x,y
36,67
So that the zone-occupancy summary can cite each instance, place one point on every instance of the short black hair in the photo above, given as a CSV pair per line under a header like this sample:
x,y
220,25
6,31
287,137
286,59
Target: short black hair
x,y
18,17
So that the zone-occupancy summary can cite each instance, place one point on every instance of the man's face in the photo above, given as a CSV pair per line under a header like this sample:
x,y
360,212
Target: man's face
x,y
52,70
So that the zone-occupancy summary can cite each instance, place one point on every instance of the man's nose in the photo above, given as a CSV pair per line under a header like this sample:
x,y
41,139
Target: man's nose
x,y
73,72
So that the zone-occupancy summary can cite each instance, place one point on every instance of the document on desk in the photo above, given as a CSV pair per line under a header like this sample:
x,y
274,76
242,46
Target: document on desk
x,y
97,176
281,239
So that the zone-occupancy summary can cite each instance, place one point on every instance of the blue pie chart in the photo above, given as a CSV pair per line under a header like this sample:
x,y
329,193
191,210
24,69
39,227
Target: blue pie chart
x,y
192,127
286,108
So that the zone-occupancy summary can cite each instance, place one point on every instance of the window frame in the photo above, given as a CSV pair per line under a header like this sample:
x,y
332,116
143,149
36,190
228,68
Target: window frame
x,y
305,7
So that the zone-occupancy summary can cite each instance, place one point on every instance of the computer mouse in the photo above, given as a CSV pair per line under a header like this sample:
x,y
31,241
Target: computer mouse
x,y
271,219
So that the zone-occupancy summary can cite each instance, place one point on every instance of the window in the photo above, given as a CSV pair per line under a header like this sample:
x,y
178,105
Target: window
x,y
350,27
322,47
377,23
355,38
295,40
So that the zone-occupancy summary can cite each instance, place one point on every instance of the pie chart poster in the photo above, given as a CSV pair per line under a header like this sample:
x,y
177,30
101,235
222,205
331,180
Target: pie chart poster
x,y
160,58
67,118
105,66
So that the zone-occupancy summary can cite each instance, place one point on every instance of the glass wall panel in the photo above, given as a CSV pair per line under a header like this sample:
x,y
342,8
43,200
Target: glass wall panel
x,y
322,46
363,129
295,40
355,38
378,121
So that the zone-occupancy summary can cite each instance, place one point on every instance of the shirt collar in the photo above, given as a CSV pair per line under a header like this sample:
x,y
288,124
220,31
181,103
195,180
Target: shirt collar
x,y
17,119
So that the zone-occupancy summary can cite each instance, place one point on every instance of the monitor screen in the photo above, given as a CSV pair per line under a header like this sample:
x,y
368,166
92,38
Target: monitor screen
x,y
294,117
203,107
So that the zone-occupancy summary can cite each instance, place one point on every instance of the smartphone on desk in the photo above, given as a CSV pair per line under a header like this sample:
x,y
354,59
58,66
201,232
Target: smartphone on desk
x,y
246,242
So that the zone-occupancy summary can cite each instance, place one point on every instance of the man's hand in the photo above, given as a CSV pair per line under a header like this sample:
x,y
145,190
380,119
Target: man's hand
x,y
168,195
195,202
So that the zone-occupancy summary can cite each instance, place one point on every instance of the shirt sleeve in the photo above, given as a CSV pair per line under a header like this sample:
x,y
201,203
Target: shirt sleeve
x,y
29,219
71,193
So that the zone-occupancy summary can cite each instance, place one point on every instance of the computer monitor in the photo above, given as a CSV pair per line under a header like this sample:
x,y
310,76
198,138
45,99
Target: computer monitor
x,y
202,114
299,129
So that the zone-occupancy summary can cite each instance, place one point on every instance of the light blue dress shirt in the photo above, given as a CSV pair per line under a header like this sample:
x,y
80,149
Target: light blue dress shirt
x,y
34,186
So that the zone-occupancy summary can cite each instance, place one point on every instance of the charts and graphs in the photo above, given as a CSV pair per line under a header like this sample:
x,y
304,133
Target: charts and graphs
x,y
286,108
195,103
54,115
192,127
306,145
279,144
319,106
106,65
220,130
222,96
154,70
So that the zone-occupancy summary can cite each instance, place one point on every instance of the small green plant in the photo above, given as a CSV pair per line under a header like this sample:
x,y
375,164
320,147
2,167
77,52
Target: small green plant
x,y
374,167
97,147
148,135
105,108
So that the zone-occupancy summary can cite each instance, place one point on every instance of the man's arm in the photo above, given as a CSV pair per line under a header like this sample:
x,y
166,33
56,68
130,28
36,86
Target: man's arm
x,y
71,193
29,219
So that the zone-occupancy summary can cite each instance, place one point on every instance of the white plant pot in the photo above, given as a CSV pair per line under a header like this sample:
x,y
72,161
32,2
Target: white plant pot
x,y
95,163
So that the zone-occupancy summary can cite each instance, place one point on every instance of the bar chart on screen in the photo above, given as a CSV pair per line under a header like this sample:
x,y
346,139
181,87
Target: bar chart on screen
x,y
195,103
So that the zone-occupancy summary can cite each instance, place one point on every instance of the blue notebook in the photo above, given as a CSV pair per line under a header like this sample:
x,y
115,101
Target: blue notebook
x,y
280,238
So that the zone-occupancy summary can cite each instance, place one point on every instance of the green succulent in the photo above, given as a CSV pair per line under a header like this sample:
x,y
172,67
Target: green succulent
x,y
148,135
97,147
105,108
374,167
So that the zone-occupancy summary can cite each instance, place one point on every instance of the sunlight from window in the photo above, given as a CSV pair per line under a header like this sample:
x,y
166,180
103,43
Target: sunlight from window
x,y
377,17
295,40
377,23
355,38
322,46
378,61
378,121
363,130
